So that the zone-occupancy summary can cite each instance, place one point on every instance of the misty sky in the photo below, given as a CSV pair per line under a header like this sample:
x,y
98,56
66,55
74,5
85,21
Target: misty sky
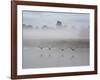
x,y
80,21
50,18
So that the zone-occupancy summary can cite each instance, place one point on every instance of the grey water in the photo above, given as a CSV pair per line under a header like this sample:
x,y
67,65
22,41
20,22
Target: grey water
x,y
41,52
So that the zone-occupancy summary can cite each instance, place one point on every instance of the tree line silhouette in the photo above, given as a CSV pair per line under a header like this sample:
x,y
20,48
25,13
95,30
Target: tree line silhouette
x,y
59,25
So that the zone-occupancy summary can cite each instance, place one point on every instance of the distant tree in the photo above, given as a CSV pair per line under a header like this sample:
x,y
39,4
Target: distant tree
x,y
59,24
29,26
37,27
24,25
44,27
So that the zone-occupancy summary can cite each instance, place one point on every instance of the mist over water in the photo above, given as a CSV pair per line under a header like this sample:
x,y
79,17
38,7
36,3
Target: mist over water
x,y
55,39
